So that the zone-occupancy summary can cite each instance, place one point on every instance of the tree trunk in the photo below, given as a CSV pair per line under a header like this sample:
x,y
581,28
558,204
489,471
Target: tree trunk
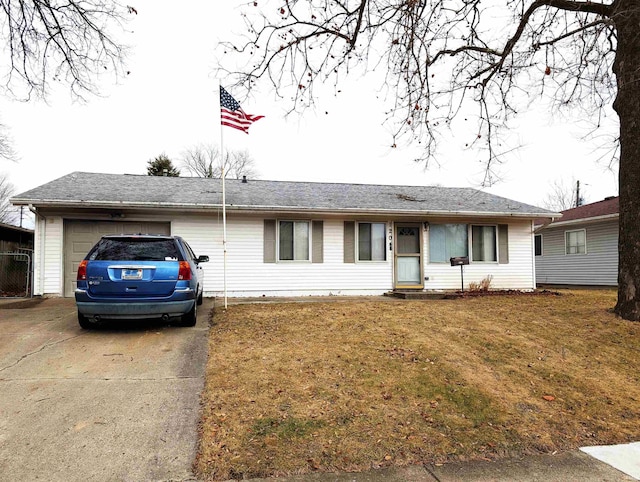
x,y
626,17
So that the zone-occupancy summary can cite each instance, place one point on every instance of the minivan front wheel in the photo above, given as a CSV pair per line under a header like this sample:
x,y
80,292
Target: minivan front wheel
x,y
189,319
199,300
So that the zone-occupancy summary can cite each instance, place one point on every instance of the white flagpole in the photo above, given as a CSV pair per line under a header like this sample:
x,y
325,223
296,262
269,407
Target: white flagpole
x,y
224,213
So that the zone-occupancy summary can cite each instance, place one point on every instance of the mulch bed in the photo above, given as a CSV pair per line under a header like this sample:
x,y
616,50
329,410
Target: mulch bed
x,y
479,293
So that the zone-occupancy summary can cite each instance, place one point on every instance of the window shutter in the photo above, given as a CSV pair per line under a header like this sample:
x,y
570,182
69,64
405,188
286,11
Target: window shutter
x,y
317,251
269,241
503,243
349,242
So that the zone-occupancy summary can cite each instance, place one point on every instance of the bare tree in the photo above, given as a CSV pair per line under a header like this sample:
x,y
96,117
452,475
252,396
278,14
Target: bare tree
x,y
47,41
563,195
70,42
6,146
201,160
8,213
238,164
475,61
204,161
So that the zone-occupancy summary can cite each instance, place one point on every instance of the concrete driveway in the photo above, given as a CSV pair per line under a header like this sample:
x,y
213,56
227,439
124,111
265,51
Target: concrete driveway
x,y
120,403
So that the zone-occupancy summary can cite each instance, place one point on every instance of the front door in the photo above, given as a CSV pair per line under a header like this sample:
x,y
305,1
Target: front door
x,y
408,256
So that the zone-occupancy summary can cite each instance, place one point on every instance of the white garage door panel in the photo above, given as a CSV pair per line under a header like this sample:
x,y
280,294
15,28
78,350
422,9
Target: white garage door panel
x,y
80,236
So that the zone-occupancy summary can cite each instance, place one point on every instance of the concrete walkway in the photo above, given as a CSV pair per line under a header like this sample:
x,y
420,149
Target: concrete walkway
x,y
118,404
624,457
566,467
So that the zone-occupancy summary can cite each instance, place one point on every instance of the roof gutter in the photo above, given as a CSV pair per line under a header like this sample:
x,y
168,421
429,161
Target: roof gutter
x,y
593,219
122,205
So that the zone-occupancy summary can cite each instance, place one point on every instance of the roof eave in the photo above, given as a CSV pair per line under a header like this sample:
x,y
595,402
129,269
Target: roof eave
x,y
592,219
398,212
75,203
52,203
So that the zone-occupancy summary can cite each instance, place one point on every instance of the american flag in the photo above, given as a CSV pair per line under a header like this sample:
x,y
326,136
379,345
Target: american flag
x,y
232,115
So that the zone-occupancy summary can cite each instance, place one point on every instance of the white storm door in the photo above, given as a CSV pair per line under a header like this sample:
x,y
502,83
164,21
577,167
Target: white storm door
x,y
408,256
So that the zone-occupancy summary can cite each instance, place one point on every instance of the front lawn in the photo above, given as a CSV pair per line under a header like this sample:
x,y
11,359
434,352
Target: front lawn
x,y
348,386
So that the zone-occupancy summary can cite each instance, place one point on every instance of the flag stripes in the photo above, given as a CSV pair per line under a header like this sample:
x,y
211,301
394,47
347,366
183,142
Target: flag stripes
x,y
232,115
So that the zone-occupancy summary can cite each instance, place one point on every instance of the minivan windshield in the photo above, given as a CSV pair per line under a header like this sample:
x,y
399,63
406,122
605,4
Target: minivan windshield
x,y
135,249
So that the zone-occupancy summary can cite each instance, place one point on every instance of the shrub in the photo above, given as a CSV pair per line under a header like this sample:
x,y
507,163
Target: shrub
x,y
483,285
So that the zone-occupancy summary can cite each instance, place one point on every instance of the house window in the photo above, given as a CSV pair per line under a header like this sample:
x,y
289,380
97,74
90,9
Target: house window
x,y
483,243
371,242
538,244
293,240
447,241
575,241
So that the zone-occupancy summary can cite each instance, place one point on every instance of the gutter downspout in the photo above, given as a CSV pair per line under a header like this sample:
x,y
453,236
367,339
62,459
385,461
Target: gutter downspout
x,y
533,250
391,239
39,227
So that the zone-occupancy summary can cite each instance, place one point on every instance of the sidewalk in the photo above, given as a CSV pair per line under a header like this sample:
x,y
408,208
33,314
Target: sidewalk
x,y
574,466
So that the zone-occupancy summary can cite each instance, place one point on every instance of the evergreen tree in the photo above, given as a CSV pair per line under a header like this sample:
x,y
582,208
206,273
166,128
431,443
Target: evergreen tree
x,y
162,166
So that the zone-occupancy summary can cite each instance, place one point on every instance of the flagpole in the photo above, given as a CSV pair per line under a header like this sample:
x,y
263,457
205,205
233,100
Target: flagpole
x,y
224,214
231,115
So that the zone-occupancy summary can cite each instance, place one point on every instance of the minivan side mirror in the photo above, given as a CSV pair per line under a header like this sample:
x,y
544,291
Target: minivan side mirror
x,y
203,258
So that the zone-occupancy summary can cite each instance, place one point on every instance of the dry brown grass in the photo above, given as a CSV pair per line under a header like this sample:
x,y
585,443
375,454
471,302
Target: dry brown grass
x,y
294,388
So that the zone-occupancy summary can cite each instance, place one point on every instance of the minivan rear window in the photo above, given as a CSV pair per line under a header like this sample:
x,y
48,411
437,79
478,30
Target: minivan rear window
x,y
133,249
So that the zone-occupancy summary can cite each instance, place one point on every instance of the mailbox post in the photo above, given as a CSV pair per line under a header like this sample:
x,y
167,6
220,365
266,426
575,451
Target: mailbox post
x,y
460,261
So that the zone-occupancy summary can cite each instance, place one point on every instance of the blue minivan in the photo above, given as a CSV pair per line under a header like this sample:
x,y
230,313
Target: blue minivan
x,y
139,276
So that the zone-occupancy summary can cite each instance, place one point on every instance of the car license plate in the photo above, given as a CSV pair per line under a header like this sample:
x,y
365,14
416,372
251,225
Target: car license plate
x,y
132,274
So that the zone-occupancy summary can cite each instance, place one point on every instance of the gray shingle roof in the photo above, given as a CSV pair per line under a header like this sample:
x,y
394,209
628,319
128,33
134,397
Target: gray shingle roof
x,y
83,189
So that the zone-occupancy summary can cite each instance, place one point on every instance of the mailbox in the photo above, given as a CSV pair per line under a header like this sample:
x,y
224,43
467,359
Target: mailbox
x,y
459,260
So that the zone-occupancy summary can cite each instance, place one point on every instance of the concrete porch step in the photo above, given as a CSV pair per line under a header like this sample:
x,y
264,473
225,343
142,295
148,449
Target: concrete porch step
x,y
423,295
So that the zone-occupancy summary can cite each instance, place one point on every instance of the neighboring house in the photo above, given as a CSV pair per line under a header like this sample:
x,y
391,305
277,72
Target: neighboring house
x,y
580,248
291,238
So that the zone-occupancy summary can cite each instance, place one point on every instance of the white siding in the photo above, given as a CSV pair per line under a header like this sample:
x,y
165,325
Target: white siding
x,y
248,275
52,259
598,267
517,274
38,249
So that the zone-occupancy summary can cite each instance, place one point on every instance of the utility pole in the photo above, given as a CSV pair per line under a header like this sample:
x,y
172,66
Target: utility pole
x,y
577,193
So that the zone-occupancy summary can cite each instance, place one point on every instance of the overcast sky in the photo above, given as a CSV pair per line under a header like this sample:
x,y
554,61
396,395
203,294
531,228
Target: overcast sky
x,y
169,103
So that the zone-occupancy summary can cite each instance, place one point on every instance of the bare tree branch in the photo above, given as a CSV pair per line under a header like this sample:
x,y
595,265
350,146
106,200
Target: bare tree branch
x,y
65,41
6,147
439,56
562,196
58,41
8,213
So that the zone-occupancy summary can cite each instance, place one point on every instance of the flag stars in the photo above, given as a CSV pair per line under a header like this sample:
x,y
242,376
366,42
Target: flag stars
x,y
232,115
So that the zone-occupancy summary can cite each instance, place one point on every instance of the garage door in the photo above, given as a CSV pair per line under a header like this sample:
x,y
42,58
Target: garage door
x,y
80,236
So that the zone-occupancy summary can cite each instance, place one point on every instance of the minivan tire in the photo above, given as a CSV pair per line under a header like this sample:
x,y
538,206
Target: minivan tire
x,y
199,302
85,323
189,319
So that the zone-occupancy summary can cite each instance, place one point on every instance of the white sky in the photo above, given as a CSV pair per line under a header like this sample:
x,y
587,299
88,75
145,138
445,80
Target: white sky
x,y
169,103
